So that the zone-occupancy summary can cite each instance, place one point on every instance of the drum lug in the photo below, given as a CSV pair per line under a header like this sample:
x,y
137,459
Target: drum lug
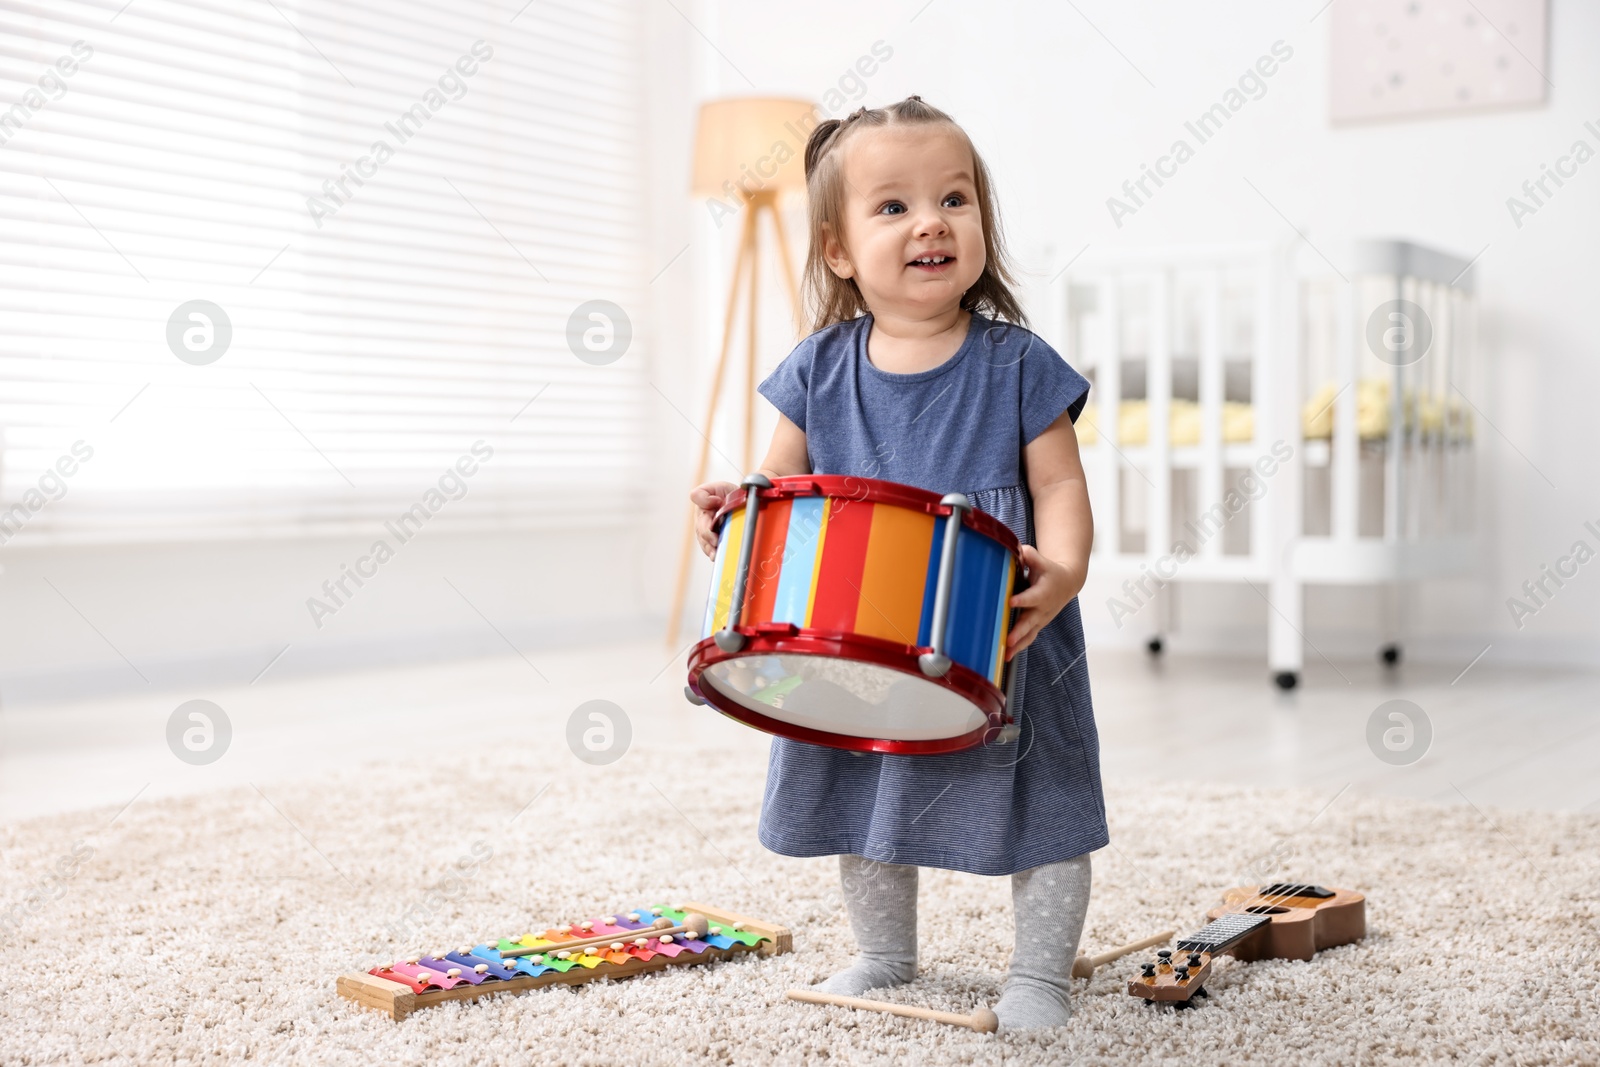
x,y
1008,733
934,664
776,629
728,639
694,698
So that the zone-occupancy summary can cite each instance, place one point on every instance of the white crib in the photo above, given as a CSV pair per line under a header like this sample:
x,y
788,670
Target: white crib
x,y
1259,415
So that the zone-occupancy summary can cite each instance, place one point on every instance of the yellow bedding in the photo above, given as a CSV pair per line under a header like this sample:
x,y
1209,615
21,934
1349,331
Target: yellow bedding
x,y
1316,417
1133,425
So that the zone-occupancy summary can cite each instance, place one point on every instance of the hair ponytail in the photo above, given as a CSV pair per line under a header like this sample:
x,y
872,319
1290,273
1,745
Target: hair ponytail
x,y
817,143
827,131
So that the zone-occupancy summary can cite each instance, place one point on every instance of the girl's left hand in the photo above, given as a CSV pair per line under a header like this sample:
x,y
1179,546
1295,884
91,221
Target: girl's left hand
x,y
1051,587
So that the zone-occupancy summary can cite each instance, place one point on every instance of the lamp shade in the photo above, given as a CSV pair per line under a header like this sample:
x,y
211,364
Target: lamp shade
x,y
753,143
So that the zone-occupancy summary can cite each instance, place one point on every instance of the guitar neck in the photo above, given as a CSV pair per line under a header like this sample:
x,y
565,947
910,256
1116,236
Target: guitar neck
x,y
1221,933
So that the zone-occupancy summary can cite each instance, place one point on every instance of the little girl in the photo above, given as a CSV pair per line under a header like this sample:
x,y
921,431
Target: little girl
x,y
911,376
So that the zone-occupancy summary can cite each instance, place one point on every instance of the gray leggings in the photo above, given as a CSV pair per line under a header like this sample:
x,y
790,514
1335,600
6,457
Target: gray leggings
x,y
1048,906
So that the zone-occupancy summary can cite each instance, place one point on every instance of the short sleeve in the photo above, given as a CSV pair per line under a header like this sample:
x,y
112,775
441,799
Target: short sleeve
x,y
1049,387
787,386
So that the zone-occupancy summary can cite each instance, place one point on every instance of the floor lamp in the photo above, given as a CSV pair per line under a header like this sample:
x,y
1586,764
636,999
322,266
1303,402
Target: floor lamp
x,y
748,152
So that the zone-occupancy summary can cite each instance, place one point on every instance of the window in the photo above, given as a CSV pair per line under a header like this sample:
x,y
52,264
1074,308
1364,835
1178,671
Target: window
x,y
390,212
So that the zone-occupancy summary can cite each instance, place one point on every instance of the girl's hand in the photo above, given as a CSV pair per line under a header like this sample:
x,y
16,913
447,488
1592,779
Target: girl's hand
x,y
1051,587
708,497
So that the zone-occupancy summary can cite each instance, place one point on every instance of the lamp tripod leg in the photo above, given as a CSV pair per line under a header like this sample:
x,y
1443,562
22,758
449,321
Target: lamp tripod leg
x,y
746,259
788,268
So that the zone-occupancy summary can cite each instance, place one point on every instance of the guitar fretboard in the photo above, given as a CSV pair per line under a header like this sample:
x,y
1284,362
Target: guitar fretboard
x,y
1220,933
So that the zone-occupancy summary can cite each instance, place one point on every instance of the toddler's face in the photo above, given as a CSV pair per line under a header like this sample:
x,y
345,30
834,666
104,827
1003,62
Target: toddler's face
x,y
909,194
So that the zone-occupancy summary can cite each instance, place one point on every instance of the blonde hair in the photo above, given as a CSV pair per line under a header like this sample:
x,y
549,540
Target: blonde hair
x,y
830,298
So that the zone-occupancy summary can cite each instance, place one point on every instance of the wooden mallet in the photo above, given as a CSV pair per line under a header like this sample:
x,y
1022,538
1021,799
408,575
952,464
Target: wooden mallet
x,y
983,1020
1085,966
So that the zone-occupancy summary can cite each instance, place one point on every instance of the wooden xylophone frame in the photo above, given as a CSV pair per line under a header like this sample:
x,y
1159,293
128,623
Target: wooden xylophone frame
x,y
397,1001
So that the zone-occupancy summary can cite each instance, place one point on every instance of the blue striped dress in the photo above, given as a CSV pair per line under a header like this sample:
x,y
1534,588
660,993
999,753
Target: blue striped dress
x,y
957,427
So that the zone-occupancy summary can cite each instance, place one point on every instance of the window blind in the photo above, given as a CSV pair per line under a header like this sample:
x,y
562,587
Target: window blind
x,y
389,209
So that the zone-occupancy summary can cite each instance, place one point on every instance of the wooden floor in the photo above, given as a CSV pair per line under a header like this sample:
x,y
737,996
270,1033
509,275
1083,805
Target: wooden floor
x,y
1503,737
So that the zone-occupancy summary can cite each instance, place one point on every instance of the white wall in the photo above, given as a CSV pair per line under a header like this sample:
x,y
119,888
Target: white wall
x,y
1063,119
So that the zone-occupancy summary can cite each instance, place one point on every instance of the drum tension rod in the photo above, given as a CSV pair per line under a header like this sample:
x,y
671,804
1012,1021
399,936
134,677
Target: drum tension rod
x,y
935,663
727,638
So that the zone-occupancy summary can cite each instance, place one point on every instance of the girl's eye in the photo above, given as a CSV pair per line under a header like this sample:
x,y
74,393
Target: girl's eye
x,y
954,200
893,207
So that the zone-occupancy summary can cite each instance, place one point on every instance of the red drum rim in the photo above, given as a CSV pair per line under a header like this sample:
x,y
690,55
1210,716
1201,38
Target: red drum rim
x,y
771,638
851,487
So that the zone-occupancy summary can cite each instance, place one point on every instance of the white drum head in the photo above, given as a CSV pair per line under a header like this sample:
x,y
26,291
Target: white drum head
x,y
844,696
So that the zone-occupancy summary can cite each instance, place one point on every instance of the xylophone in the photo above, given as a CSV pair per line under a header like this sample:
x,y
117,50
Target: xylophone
x,y
613,946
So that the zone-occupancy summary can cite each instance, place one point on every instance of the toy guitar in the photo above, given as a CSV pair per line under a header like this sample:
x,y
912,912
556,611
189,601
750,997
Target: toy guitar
x,y
1281,921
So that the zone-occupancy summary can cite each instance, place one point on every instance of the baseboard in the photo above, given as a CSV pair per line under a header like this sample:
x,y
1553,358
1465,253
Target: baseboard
x,y
241,666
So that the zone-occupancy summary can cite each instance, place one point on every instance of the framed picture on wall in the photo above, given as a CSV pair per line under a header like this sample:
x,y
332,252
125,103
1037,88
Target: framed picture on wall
x,y
1393,59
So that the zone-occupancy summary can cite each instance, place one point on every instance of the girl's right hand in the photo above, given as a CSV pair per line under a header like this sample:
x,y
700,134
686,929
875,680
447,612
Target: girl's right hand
x,y
709,497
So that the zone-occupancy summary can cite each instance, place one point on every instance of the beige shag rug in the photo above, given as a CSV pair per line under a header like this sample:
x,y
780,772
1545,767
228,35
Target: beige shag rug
x,y
211,929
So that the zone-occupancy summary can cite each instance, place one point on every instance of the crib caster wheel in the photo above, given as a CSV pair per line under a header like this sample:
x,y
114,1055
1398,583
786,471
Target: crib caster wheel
x,y
1154,645
1390,654
1286,680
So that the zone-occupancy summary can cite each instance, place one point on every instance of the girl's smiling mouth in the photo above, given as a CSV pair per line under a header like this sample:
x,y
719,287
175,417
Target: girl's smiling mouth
x,y
932,261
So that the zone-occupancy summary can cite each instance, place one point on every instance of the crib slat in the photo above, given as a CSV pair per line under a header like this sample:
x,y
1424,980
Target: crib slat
x,y
1273,382
1084,349
1393,465
1109,378
1345,453
1279,358
1211,398
1158,389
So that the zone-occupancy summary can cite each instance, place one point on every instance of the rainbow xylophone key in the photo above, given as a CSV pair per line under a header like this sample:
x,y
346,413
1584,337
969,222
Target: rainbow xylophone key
x,y
510,965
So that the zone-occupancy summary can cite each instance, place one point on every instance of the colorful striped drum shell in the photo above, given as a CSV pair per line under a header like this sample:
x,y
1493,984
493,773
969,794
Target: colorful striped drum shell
x,y
848,568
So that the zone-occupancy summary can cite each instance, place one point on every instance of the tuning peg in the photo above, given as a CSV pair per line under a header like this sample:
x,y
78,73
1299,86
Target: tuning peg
x,y
1149,970
1182,973
1194,959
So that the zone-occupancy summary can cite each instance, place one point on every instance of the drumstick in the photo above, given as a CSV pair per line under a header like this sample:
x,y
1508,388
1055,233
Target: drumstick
x,y
693,922
983,1020
1085,966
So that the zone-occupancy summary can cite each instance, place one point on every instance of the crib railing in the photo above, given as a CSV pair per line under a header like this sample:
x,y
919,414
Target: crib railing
x,y
1370,412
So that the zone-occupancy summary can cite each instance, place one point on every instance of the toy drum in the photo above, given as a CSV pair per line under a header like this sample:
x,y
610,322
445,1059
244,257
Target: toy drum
x,y
859,614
